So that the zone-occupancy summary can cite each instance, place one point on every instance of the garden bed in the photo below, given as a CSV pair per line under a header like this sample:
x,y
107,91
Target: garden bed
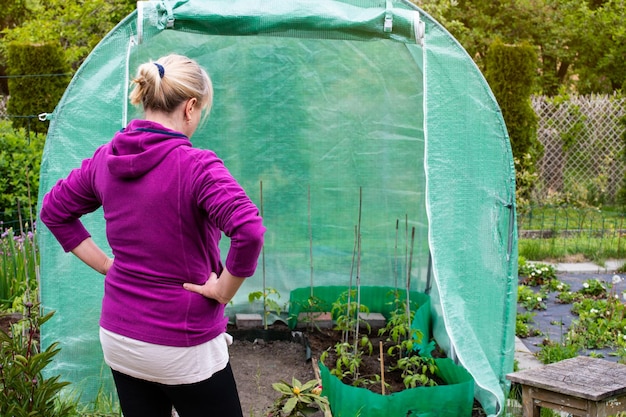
x,y
260,363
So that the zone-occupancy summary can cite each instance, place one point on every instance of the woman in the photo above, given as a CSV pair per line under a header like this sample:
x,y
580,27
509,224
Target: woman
x,y
165,204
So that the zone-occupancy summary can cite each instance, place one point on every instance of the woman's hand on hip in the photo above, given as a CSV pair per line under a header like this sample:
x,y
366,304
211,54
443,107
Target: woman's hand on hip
x,y
221,290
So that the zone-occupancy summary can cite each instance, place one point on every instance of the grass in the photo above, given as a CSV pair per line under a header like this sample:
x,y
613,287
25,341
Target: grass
x,y
565,234
562,218
577,248
19,260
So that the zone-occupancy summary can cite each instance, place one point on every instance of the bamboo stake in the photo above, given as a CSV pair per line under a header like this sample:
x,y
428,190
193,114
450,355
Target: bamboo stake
x,y
310,238
406,240
395,258
358,279
358,274
382,367
408,278
354,250
316,371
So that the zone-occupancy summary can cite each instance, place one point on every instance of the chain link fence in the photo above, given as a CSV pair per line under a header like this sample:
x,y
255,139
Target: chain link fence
x,y
3,106
583,147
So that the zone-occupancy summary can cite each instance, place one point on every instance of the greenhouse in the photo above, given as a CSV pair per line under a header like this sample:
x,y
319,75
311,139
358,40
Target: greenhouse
x,y
340,119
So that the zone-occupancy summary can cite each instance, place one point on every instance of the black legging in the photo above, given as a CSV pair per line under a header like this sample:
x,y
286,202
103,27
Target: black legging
x,y
216,396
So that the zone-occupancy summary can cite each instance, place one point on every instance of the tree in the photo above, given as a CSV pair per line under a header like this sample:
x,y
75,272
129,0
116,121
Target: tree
x,y
76,25
12,13
31,96
601,48
580,45
510,70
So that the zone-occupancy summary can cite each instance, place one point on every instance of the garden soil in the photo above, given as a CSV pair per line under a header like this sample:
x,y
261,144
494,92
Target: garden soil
x,y
259,364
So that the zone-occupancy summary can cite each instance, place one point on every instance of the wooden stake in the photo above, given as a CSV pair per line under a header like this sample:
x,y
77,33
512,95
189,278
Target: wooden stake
x,y
316,370
382,367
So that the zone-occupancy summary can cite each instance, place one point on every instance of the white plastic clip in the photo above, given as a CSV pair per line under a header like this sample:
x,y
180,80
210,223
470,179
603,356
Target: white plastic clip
x,y
388,25
420,29
44,116
166,15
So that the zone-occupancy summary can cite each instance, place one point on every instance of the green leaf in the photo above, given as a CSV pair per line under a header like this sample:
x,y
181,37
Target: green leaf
x,y
282,387
290,405
253,296
310,384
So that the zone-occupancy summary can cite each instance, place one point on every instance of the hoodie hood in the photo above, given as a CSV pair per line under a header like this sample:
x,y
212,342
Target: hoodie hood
x,y
141,146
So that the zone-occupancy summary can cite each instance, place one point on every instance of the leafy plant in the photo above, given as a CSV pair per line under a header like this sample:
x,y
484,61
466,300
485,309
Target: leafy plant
x,y
593,287
348,353
536,274
402,343
552,352
554,284
621,354
297,399
20,159
348,362
23,389
568,297
270,304
416,371
529,299
523,328
312,308
19,259
346,312
601,323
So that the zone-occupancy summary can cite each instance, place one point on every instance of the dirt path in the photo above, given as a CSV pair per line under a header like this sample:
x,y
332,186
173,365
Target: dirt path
x,y
257,365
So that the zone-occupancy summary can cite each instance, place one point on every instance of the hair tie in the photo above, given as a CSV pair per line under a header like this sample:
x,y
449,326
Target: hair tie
x,y
161,69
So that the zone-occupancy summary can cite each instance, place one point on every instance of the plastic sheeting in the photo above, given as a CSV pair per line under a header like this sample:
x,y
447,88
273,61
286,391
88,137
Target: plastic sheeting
x,y
334,116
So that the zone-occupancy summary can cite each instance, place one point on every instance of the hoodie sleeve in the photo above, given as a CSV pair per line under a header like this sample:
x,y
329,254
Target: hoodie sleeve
x,y
65,203
232,211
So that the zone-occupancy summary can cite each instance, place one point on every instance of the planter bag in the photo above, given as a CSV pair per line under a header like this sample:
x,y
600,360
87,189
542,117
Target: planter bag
x,y
456,399
351,114
377,299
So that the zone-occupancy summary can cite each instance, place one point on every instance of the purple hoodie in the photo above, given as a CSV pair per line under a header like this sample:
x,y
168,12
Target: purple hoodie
x,y
165,205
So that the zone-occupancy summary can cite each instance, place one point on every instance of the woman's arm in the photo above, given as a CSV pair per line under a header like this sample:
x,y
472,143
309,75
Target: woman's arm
x,y
91,254
222,290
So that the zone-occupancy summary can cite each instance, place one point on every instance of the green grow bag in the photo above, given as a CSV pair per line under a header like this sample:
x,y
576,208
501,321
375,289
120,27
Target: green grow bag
x,y
352,112
377,299
456,399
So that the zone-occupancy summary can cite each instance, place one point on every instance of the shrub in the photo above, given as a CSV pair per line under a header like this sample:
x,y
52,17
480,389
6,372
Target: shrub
x,y
23,389
20,158
552,352
19,259
30,96
510,71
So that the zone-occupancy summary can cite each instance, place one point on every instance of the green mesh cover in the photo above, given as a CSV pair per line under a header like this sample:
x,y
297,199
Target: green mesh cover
x,y
334,116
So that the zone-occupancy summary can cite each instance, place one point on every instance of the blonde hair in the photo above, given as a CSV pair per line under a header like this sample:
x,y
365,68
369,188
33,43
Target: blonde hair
x,y
170,80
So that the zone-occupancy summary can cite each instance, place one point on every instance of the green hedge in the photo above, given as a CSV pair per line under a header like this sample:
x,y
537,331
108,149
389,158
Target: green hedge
x,y
20,158
38,87
511,71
